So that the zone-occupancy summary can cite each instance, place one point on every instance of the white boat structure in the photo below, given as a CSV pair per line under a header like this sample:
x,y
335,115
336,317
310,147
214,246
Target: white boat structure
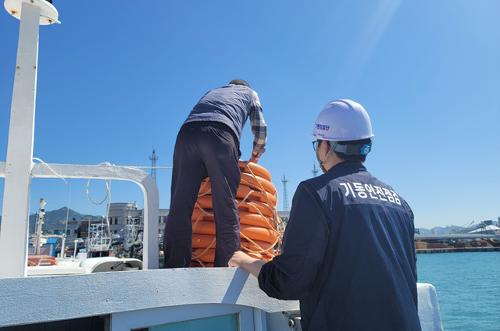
x,y
87,294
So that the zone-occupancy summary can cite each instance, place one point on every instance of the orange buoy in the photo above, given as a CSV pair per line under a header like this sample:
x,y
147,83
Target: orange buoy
x,y
246,218
257,245
256,169
205,202
208,255
259,233
245,193
203,241
257,207
204,227
204,255
41,260
260,227
246,231
200,214
258,183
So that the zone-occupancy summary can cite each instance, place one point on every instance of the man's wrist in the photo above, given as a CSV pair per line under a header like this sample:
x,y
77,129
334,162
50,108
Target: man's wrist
x,y
258,152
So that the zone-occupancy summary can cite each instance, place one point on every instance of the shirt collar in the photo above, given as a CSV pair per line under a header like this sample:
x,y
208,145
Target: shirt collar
x,y
347,166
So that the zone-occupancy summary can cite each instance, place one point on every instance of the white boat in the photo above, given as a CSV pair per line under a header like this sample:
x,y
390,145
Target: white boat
x,y
87,295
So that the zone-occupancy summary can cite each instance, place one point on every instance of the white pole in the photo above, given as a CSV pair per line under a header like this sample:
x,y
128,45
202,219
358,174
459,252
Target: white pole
x,y
15,223
39,226
63,244
15,213
75,250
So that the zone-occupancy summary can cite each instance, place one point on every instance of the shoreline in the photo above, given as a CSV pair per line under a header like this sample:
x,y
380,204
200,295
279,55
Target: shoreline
x,y
458,250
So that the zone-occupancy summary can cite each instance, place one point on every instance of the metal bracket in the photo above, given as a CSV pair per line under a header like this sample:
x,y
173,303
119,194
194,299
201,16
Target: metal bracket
x,y
48,13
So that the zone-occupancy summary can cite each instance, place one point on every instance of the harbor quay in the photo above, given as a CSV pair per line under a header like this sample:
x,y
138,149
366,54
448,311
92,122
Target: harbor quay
x,y
460,242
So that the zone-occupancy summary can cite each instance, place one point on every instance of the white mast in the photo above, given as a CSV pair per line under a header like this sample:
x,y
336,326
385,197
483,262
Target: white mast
x,y
37,242
13,252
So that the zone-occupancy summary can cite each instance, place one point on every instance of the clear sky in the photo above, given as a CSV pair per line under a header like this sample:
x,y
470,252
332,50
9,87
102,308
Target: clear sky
x,y
118,78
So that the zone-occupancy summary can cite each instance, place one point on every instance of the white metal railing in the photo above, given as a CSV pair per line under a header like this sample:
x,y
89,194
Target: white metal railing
x,y
111,172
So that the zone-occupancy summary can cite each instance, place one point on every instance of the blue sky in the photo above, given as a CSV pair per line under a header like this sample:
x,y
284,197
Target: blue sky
x,y
117,78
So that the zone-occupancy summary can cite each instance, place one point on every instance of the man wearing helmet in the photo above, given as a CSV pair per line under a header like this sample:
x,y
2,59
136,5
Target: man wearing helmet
x,y
348,250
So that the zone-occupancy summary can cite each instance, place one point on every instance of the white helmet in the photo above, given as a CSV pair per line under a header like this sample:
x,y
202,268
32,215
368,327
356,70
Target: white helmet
x,y
343,120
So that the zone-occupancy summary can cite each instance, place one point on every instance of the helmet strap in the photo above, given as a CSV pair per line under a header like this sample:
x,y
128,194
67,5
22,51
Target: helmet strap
x,y
351,149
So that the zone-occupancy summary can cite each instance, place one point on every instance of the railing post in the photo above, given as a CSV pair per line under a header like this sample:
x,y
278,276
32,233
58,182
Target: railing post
x,y
15,211
150,254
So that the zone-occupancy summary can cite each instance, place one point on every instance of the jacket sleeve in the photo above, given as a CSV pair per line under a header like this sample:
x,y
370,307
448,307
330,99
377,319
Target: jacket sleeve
x,y
412,237
259,127
290,275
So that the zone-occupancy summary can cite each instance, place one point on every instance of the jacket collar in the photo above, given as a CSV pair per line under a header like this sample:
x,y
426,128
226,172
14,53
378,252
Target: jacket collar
x,y
347,167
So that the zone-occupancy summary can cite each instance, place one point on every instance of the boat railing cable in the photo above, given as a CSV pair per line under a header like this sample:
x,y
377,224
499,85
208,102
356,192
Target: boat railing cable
x,y
63,244
147,167
50,168
69,198
107,198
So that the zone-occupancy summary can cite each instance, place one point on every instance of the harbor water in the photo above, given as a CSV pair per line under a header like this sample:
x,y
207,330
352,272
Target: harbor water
x,y
468,288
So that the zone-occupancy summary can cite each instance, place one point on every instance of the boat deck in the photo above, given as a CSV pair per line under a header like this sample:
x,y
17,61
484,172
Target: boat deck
x,y
148,299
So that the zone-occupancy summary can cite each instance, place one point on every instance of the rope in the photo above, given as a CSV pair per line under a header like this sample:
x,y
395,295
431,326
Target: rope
x,y
51,170
107,198
69,195
63,248
98,203
276,224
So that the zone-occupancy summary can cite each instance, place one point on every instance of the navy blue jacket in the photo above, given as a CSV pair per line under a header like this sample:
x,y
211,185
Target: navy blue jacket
x,y
348,255
230,104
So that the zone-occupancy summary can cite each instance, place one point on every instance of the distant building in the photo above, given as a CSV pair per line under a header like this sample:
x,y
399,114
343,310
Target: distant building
x,y
121,212
284,215
84,226
162,220
72,230
487,222
487,228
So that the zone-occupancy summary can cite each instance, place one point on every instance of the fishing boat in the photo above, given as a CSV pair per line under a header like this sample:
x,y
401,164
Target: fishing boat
x,y
109,293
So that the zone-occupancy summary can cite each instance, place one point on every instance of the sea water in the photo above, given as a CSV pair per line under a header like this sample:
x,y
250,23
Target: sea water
x,y
468,288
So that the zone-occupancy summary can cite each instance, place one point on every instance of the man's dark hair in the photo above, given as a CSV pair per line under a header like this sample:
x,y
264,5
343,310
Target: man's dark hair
x,y
239,82
345,157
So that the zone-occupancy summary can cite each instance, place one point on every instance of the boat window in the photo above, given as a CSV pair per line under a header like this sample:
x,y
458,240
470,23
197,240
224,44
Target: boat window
x,y
220,323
